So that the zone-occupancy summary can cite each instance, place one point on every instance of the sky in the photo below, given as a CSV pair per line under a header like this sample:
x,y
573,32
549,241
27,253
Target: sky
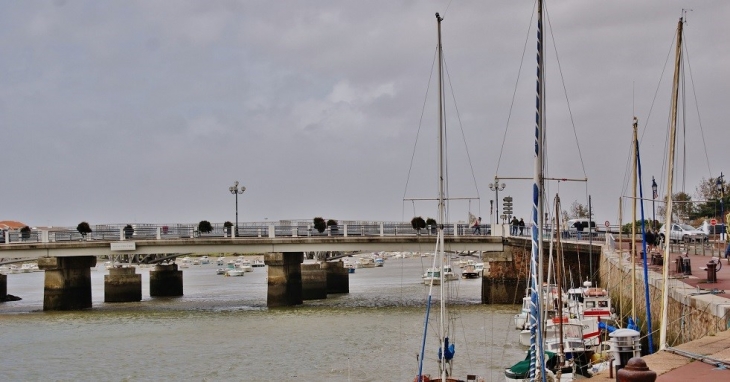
x,y
122,112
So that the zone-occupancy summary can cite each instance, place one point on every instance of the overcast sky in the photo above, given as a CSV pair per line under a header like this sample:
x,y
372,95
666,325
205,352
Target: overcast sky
x,y
148,111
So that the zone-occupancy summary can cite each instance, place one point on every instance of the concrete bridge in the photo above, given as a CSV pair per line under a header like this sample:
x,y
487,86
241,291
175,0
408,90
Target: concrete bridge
x,y
66,256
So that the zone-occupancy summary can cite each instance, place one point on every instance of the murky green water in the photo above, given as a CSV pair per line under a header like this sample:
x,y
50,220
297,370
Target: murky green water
x,y
221,330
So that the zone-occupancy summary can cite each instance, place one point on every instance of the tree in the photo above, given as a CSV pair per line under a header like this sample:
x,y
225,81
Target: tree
x,y
205,227
578,210
332,223
25,233
682,207
431,222
83,229
319,224
418,223
707,190
227,226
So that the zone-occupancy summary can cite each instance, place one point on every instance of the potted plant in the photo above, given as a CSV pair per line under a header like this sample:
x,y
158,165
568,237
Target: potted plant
x,y
319,224
25,233
227,226
205,227
128,231
84,229
418,224
431,223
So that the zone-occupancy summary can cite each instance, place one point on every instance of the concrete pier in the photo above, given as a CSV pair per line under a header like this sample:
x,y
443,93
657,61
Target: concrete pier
x,y
122,285
166,281
285,278
314,282
67,284
338,279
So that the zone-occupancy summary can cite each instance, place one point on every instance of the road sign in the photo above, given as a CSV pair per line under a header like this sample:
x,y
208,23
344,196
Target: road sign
x,y
607,223
713,221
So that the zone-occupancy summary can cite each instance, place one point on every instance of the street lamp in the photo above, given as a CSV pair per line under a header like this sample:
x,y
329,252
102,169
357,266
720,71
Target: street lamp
x,y
653,195
721,189
235,191
496,187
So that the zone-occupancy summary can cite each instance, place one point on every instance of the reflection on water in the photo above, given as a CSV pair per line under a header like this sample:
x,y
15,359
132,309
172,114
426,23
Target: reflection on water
x,y
221,330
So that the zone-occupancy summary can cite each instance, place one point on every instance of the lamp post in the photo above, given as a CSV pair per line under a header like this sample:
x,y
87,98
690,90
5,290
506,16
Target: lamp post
x,y
721,189
496,187
235,191
653,196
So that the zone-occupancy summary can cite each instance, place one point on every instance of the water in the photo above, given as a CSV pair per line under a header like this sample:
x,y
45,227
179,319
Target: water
x,y
221,330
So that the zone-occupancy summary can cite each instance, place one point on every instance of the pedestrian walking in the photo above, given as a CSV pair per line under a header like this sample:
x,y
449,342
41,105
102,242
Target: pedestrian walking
x,y
521,224
477,226
578,229
513,226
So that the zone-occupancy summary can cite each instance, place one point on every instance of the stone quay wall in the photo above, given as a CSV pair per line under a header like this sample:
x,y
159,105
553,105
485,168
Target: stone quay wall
x,y
690,315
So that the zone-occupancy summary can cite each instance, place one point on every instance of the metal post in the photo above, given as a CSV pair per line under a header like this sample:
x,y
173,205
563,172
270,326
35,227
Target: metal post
x,y
496,187
721,187
235,191
653,209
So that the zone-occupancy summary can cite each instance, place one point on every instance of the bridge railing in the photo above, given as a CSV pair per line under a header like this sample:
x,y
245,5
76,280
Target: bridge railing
x,y
117,232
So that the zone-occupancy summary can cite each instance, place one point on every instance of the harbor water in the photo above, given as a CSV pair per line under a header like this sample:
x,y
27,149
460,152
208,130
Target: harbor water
x,y
221,330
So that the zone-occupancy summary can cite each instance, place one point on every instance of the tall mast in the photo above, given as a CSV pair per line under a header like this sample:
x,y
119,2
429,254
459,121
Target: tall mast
x,y
670,180
635,139
536,298
441,201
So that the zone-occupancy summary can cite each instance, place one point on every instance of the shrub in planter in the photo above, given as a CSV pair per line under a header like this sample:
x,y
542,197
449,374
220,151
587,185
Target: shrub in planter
x,y
418,223
227,225
319,224
205,227
332,223
83,229
128,231
431,222
25,233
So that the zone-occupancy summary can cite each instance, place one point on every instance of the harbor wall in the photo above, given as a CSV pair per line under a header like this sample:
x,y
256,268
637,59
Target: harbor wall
x,y
506,273
690,315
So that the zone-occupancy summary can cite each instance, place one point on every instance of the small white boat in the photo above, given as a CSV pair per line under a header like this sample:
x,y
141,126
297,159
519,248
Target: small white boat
x,y
204,259
449,274
379,262
258,263
246,266
220,271
234,272
365,262
432,276
221,261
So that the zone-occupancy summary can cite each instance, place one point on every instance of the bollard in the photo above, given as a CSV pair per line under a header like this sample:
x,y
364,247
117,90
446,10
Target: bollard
x,y
711,272
626,345
636,371
687,265
679,264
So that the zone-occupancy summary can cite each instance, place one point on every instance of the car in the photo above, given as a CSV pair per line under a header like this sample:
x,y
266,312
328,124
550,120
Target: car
x,y
573,231
684,233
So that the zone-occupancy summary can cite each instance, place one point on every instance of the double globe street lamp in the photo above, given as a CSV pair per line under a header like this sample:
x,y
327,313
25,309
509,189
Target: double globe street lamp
x,y
496,187
235,191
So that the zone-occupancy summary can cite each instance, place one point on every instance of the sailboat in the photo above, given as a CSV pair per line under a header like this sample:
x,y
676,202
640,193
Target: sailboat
x,y
539,365
446,350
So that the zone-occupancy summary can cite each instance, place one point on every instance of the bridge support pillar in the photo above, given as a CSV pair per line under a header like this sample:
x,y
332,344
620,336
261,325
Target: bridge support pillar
x,y
285,278
67,284
166,281
3,287
122,285
314,282
503,290
338,279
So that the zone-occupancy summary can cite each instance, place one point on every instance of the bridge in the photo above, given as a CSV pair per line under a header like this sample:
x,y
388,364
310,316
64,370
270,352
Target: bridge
x,y
67,255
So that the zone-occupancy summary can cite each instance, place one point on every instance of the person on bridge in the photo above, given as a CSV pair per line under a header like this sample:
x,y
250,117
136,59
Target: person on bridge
x,y
513,226
578,229
521,224
477,226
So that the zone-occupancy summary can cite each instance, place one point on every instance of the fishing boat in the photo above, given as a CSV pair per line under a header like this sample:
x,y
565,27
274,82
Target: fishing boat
x,y
435,274
469,272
